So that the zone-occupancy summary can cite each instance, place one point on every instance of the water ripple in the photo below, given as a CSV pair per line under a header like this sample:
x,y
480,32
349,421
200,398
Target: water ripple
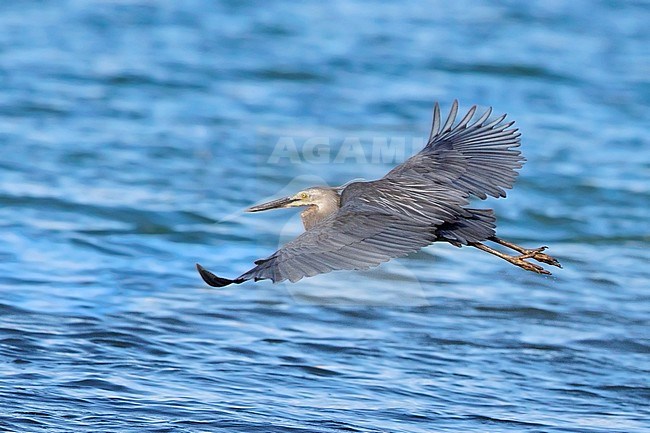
x,y
135,133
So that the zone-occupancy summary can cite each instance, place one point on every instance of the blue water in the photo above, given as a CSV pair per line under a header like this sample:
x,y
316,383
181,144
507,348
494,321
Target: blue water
x,y
134,132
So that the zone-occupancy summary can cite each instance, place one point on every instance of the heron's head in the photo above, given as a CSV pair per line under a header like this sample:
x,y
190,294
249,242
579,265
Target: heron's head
x,y
315,196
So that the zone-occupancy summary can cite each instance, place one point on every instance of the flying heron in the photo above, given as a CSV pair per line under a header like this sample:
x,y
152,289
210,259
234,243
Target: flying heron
x,y
424,200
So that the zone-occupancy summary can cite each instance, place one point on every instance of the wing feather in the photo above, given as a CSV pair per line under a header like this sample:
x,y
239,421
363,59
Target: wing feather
x,y
435,125
451,118
378,237
478,158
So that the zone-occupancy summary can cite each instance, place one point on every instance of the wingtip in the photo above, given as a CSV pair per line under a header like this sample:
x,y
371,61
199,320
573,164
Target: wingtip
x,y
211,279
435,122
450,118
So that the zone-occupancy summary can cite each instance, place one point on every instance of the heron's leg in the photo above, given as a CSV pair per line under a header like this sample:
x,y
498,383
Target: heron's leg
x,y
529,253
515,260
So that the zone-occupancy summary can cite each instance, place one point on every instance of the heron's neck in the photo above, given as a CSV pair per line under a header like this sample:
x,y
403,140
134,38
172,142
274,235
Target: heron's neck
x,y
316,213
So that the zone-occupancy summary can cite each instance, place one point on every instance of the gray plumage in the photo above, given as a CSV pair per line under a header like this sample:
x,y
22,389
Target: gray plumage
x,y
421,201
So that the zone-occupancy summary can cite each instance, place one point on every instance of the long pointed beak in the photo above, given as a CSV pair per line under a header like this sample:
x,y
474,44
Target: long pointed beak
x,y
275,204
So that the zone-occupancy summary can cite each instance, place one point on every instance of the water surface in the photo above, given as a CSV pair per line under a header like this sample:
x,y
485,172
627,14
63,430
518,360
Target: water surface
x,y
133,133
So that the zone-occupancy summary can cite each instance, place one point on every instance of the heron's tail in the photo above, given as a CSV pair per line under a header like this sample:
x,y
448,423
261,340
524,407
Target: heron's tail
x,y
476,227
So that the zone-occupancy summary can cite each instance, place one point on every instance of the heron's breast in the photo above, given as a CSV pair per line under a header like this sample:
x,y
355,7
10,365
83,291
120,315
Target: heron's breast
x,y
310,217
313,215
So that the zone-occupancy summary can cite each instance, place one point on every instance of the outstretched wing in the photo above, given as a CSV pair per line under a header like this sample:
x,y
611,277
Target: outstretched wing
x,y
478,158
351,239
377,221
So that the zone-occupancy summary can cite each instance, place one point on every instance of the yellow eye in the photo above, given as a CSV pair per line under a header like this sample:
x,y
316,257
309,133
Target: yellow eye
x,y
304,195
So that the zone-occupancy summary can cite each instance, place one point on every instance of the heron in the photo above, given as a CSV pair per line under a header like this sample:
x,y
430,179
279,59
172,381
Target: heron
x,y
425,199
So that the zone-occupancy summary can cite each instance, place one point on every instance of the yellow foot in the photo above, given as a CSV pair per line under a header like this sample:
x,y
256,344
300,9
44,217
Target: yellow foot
x,y
538,255
519,261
